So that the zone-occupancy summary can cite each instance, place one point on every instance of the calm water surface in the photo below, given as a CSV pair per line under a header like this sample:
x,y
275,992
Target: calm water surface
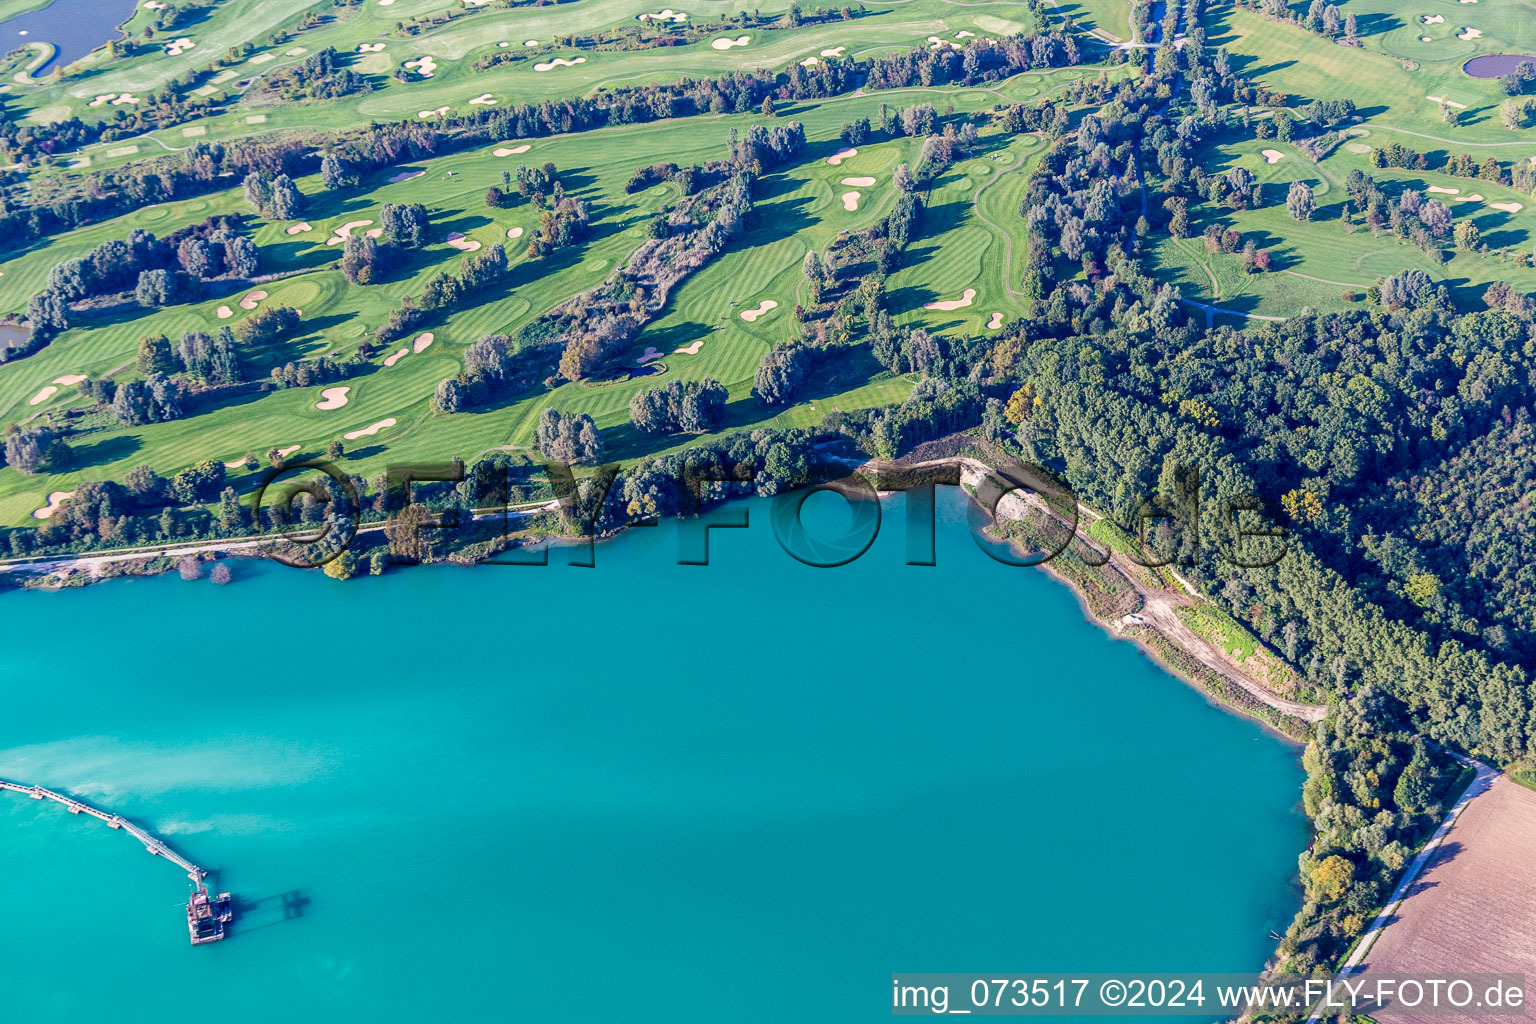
x,y
639,792
76,27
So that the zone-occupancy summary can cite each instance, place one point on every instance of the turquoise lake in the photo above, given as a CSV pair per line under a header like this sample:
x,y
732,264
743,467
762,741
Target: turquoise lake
x,y
636,792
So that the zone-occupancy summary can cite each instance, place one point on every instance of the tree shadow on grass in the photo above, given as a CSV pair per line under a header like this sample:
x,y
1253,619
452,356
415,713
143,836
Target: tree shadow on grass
x,y
110,449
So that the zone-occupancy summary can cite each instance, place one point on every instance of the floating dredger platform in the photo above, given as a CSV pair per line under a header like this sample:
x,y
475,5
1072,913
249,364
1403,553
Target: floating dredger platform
x,y
207,915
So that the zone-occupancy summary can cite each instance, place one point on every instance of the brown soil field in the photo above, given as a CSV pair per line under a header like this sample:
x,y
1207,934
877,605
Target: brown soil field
x,y
1473,909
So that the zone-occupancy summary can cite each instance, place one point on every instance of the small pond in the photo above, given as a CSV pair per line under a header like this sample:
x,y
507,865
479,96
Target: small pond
x,y
1496,65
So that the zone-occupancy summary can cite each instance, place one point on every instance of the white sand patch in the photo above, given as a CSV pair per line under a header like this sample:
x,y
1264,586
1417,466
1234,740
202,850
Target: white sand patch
x,y
396,179
422,341
152,5
1433,19
938,43
809,62
513,151
374,232
262,58
950,305
996,323
692,348
370,430
127,99
423,66
833,51
283,453
223,312
669,14
558,62
763,309
332,398
236,464
345,231
860,182
1469,34
386,3
1508,207
483,100
297,51
1425,39
105,97
179,46
963,34
841,155
249,302
850,201
651,352
299,228
1445,191
370,47
459,242
725,44
1473,198
55,500
1271,156
391,360
530,42
69,379
514,232
43,395
427,115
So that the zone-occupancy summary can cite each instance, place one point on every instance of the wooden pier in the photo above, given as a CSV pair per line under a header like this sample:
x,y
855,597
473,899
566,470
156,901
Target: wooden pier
x,y
198,909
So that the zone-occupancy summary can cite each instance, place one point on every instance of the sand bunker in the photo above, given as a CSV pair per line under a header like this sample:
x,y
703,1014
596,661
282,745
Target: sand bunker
x,y
179,46
43,395
391,360
422,341
1473,198
223,312
1433,19
370,430
949,305
103,98
1445,191
938,43
249,302
963,34
650,353
809,62
841,155
345,231
128,98
483,100
423,66
513,151
1271,156
386,3
850,201
427,115
152,5
530,42
69,379
236,464
860,182
283,453
667,15
54,501
833,51
332,398
763,309
1424,39
725,44
299,228
1506,207
514,232
559,62
396,179
996,323
1469,34
370,47
692,348
459,242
